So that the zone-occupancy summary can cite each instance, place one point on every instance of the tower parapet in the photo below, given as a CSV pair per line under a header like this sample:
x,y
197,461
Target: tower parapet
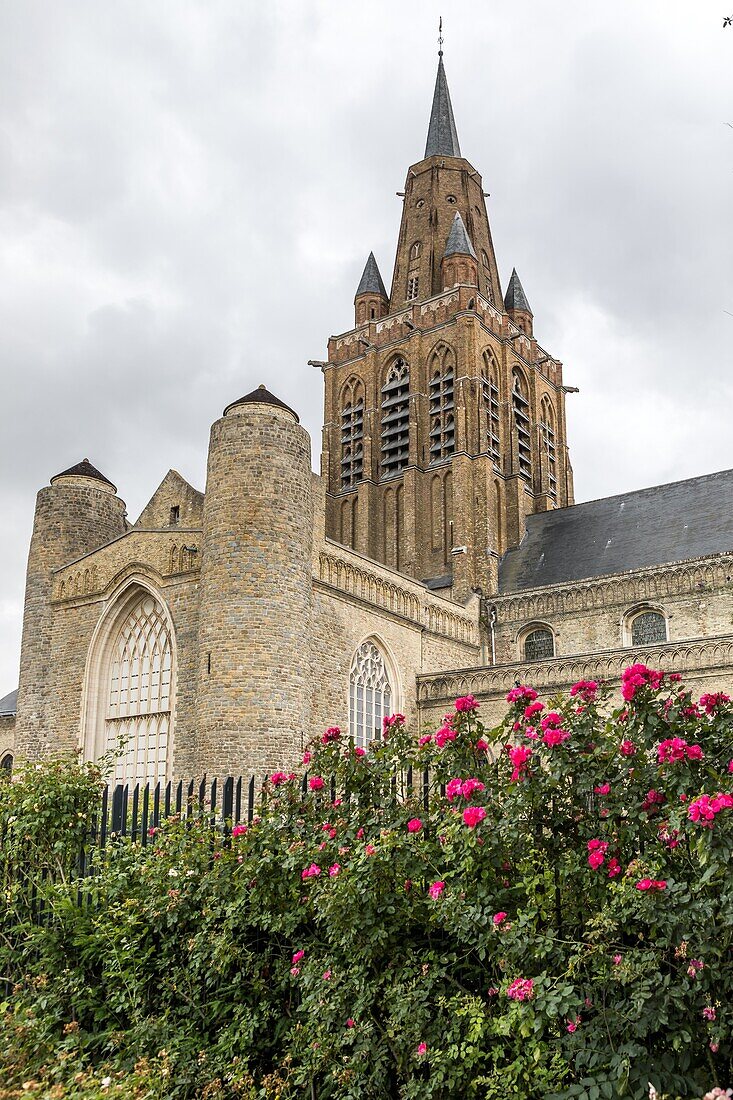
x,y
77,513
256,589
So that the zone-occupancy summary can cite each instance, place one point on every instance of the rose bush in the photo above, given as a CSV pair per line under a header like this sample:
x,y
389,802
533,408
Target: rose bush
x,y
550,916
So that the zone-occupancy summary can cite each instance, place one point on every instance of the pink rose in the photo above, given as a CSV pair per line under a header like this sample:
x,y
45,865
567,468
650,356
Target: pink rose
x,y
298,955
414,825
316,783
472,815
604,788
521,989
627,748
311,872
466,704
307,757
422,1048
498,918
436,889
350,1022
326,976
334,869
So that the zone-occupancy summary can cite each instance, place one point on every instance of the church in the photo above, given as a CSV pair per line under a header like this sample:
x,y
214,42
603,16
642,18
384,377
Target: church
x,y
438,552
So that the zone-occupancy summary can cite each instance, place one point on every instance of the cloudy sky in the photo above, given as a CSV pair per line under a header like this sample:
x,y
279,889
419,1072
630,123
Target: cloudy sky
x,y
189,191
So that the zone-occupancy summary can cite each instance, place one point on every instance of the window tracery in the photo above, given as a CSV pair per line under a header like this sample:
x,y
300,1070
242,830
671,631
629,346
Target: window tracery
x,y
520,413
539,644
138,704
395,419
352,435
490,401
370,695
648,628
547,436
442,418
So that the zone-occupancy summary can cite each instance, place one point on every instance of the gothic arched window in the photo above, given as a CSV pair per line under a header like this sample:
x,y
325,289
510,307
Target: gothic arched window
x,y
539,644
520,414
547,436
6,764
352,434
490,415
648,628
370,695
441,372
137,714
395,421
415,250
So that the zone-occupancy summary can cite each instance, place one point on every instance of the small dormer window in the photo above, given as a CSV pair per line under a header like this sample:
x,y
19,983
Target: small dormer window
x,y
175,515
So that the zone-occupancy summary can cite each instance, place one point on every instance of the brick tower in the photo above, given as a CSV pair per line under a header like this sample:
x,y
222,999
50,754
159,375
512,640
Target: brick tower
x,y
444,421
78,512
254,693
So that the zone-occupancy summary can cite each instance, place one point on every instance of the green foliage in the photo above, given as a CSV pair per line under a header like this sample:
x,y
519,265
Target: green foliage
x,y
176,970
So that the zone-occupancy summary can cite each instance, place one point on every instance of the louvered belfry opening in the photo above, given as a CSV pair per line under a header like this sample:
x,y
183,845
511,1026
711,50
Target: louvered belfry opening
x,y
520,411
490,396
547,431
442,419
352,437
395,423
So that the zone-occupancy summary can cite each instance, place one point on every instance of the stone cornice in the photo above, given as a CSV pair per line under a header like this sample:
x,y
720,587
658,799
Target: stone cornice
x,y
699,654
635,586
366,585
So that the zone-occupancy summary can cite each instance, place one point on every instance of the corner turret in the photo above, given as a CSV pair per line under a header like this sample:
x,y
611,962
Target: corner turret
x,y
517,306
371,301
77,513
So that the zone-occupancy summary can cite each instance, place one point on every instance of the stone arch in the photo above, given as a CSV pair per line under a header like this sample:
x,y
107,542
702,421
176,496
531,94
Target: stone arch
x,y
135,627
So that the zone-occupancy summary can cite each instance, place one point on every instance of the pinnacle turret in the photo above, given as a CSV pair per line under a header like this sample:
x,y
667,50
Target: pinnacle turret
x,y
459,242
371,280
442,134
515,298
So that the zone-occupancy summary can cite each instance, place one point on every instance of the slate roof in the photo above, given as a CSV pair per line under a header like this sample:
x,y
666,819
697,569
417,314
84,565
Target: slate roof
x,y
657,526
458,241
84,469
9,704
442,133
515,298
371,280
261,396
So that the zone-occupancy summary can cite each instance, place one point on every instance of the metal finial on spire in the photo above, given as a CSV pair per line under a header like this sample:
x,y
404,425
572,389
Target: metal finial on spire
x,y
440,37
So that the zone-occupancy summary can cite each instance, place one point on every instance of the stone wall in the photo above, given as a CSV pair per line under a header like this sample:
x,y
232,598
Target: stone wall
x,y
696,598
706,664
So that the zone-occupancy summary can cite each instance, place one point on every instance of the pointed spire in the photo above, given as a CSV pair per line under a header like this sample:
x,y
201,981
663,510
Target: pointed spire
x,y
442,134
515,298
459,242
371,280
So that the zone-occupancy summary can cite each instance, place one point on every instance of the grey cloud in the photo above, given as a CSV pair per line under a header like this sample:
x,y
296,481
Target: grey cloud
x,y
188,194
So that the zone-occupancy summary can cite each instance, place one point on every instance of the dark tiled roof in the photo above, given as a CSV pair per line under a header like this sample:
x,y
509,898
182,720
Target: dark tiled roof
x,y
657,526
261,396
9,704
433,583
459,242
84,469
442,134
515,298
371,280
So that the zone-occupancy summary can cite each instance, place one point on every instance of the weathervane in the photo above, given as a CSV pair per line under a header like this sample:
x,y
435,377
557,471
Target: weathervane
x,y
440,37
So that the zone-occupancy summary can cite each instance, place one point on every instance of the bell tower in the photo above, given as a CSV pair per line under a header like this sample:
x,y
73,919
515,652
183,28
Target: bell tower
x,y
444,420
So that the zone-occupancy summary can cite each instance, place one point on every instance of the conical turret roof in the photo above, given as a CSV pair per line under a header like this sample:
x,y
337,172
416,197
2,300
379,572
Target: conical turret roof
x,y
261,396
442,134
515,298
84,469
371,280
459,242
